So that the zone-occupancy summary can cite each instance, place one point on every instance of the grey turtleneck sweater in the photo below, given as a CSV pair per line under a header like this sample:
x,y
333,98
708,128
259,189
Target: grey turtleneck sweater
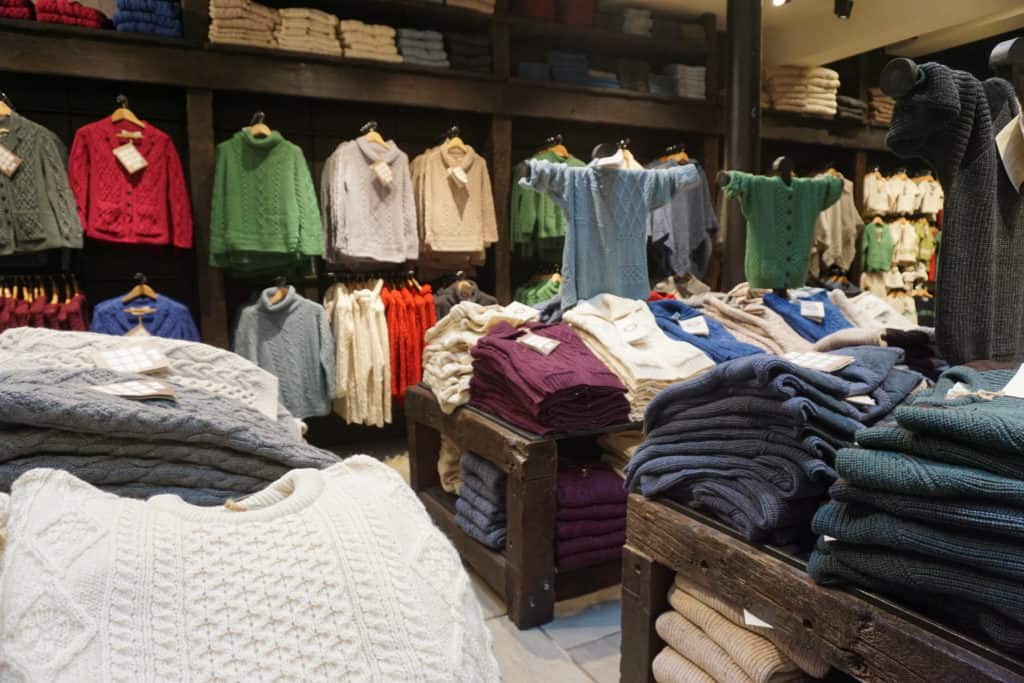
x,y
291,339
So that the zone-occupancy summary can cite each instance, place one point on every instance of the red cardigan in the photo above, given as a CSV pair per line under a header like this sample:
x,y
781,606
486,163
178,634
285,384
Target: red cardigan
x,y
149,207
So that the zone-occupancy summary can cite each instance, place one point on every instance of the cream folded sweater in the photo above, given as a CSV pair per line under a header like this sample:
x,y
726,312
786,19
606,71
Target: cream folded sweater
x,y
671,667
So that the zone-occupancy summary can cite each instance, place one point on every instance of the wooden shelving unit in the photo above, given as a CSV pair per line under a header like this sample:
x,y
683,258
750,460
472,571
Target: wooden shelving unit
x,y
825,132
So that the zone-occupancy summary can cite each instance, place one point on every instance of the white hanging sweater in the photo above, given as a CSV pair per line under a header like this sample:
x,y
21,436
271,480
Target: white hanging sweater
x,y
332,575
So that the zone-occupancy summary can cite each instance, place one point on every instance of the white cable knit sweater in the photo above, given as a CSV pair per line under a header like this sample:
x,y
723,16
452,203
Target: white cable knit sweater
x,y
332,575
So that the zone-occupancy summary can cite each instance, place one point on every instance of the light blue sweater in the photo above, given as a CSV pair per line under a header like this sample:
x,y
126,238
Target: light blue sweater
x,y
605,241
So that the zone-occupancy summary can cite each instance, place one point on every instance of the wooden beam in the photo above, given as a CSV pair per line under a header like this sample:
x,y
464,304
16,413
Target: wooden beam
x,y
645,585
501,182
854,137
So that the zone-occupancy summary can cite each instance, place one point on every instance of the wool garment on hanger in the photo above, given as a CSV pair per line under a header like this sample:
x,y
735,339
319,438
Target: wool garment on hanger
x,y
689,222
170,318
877,201
150,206
459,291
265,217
291,339
876,248
931,197
538,223
950,119
605,244
836,229
37,207
410,312
905,242
364,216
72,314
780,224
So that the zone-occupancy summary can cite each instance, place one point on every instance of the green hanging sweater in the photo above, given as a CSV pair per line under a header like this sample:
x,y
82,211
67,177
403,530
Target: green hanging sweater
x,y
876,247
264,217
537,223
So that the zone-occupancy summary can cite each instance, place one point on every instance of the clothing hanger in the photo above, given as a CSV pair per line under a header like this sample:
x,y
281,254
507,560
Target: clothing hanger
x,y
877,220
554,145
257,128
675,153
281,282
453,141
782,167
371,134
123,113
412,281
141,289
6,106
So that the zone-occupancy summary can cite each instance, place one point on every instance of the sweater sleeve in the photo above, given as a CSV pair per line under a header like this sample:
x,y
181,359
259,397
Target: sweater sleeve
x,y
189,331
488,220
411,231
739,188
62,200
328,359
180,204
311,232
543,176
658,185
245,336
522,211
218,210
832,190
78,177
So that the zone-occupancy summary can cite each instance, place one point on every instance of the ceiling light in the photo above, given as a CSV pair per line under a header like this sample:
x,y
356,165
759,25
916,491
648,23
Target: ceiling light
x,y
844,8
779,3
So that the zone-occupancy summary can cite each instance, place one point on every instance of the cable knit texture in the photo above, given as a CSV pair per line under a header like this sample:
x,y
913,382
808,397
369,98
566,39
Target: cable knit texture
x,y
150,206
336,575
950,119
454,217
40,211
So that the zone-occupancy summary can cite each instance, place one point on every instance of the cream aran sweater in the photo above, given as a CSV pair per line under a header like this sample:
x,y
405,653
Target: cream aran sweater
x,y
455,216
326,575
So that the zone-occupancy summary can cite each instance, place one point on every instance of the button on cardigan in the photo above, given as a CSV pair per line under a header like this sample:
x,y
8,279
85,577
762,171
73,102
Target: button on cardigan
x,y
37,208
150,206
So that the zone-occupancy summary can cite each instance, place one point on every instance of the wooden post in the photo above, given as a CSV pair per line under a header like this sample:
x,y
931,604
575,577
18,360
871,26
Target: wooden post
x,y
213,313
195,16
645,585
743,138
501,182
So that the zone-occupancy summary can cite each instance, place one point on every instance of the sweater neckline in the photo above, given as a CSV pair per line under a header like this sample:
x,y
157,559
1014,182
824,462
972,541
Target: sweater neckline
x,y
266,143
288,495
284,304
451,160
375,152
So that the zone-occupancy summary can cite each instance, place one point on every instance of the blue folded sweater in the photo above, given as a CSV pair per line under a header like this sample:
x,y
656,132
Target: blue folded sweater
x,y
159,7
148,28
136,17
808,329
720,344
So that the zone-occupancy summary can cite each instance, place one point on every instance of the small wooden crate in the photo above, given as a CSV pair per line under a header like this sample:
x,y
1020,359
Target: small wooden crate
x,y
859,633
524,574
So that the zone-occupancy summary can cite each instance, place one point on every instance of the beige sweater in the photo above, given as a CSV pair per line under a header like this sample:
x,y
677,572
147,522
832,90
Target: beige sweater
x,y
454,217
750,320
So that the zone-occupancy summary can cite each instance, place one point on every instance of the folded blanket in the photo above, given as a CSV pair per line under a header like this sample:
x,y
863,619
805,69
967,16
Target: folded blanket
x,y
590,527
589,486
671,667
612,511
944,450
482,521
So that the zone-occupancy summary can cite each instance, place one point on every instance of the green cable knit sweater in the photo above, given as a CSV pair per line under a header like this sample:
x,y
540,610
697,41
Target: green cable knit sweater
x,y
265,216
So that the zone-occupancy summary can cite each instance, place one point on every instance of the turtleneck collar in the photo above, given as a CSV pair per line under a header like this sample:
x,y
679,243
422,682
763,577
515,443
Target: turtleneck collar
x,y
374,152
452,158
283,305
265,143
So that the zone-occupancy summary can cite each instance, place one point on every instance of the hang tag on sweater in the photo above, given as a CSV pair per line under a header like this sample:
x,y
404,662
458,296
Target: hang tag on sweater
x,y
813,310
823,362
696,326
457,174
383,173
1015,387
138,390
130,158
541,345
144,359
752,620
9,162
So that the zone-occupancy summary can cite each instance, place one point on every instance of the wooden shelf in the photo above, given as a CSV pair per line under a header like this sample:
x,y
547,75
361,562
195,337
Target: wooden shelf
x,y
831,133
603,41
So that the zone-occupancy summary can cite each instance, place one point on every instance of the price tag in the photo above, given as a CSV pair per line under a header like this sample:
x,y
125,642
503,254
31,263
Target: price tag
x,y
541,345
459,175
9,162
145,359
862,400
813,310
130,158
383,172
752,620
696,326
139,390
825,362
1015,387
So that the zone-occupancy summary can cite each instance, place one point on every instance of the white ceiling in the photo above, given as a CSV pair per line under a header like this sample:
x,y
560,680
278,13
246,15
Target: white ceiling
x,y
808,32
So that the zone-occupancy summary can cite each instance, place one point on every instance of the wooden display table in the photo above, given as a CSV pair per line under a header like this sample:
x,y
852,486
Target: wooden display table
x,y
859,633
524,574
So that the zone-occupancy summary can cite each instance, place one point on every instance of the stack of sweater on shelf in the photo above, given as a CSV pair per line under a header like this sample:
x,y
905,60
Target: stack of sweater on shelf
x,y
71,13
482,6
369,41
480,508
308,30
687,81
243,22
851,109
625,335
591,517
804,90
542,387
632,74
537,222
618,449
157,17
568,67
753,442
447,362
743,312
468,52
410,311
931,511
603,79
425,48
708,640
881,107
17,9
454,294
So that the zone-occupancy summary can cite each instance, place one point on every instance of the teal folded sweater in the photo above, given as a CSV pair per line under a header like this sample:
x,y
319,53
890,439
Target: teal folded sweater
x,y
944,450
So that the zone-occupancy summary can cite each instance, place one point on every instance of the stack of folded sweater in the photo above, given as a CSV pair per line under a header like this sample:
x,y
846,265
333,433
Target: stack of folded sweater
x,y
618,449
468,52
660,84
931,511
480,509
17,9
851,109
881,107
603,79
425,48
637,22
70,13
687,81
744,313
752,442
308,30
792,309
708,640
804,90
482,6
243,22
544,391
704,332
591,517
447,362
633,74
369,41
156,17
569,67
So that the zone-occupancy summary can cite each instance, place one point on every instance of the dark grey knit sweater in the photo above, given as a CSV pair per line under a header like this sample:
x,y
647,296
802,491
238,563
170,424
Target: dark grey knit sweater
x,y
950,119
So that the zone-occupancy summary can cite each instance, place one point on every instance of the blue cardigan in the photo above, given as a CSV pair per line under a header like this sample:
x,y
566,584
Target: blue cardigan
x,y
720,344
172,319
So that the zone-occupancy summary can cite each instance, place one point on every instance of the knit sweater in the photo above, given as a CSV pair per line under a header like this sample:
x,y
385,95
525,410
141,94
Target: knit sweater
x,y
809,329
835,231
454,217
264,205
780,224
877,246
605,248
950,119
690,223
719,344
150,206
291,339
363,216
37,207
754,323
171,318
323,575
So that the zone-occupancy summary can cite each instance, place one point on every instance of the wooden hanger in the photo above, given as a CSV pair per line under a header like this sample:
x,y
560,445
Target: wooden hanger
x,y
6,109
257,128
123,113
554,145
141,289
371,134
453,141
281,283
412,281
